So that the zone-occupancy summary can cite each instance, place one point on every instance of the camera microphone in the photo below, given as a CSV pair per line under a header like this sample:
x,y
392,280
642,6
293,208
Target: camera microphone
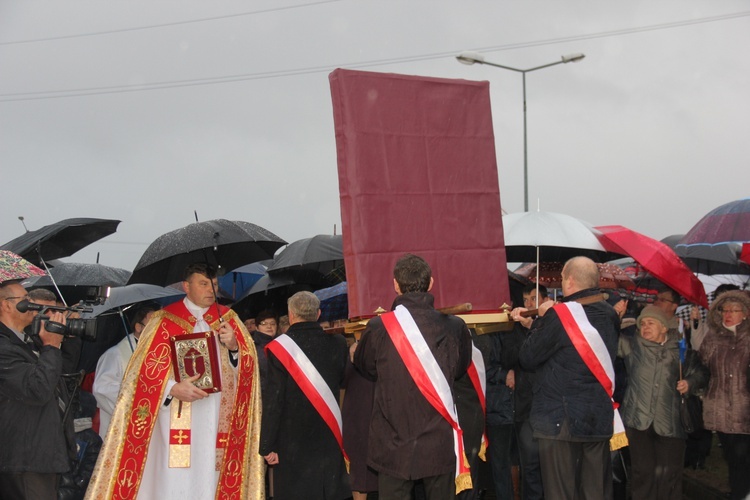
x,y
24,306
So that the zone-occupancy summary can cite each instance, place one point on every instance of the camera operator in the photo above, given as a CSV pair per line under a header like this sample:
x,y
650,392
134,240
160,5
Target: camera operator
x,y
34,451
71,347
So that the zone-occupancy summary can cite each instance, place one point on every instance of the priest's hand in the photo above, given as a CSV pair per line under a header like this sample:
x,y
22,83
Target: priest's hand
x,y
227,337
186,391
272,458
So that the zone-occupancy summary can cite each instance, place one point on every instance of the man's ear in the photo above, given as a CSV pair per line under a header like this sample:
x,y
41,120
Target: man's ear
x,y
396,287
185,286
318,317
432,282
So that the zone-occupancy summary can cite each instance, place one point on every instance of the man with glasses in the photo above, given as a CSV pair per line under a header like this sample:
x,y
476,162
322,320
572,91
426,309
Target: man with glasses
x,y
668,301
34,453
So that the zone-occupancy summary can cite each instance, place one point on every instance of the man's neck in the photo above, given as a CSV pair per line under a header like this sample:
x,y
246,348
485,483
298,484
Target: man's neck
x,y
16,326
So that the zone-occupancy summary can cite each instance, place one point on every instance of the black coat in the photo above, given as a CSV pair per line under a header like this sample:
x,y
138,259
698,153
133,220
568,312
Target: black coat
x,y
310,461
566,392
31,430
408,437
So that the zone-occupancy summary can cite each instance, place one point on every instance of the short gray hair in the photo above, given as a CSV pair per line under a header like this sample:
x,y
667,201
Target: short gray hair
x,y
304,305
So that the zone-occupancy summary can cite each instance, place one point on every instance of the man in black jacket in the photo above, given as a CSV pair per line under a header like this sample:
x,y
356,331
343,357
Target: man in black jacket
x,y
296,434
571,412
409,439
34,451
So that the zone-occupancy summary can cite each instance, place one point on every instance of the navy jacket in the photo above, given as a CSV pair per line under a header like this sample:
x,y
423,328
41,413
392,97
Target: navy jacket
x,y
567,396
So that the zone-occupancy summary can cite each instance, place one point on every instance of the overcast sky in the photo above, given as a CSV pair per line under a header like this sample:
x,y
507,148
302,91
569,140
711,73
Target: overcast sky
x,y
147,111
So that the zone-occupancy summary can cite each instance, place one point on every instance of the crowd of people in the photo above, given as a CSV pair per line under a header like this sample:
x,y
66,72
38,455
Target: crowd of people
x,y
196,403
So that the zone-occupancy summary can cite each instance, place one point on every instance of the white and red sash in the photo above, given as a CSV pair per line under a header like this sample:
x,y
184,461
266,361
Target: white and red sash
x,y
311,383
478,377
593,351
430,380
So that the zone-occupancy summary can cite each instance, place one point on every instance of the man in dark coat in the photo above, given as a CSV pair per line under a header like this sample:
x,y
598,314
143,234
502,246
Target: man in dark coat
x,y
34,452
522,384
409,439
295,438
571,413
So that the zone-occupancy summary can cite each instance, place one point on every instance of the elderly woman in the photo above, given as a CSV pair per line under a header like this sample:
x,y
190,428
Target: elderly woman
x,y
651,407
726,405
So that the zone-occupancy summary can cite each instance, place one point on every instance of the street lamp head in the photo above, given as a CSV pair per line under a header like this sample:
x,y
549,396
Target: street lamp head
x,y
470,58
572,58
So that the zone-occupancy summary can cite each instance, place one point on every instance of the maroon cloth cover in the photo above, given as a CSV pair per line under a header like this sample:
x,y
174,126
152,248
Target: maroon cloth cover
x,y
417,173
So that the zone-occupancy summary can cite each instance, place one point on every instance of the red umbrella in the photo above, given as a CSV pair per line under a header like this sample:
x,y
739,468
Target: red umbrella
x,y
745,255
656,258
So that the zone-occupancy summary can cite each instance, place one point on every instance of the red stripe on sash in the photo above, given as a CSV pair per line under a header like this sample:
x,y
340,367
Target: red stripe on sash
x,y
308,389
424,384
584,349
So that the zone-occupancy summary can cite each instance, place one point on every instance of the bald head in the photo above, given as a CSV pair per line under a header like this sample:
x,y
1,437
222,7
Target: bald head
x,y
579,273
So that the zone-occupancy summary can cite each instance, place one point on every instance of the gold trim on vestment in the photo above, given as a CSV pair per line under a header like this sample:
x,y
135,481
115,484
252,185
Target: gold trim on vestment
x,y
180,415
111,478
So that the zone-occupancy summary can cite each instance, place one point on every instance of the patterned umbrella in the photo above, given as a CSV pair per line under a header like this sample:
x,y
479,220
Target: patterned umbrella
x,y
15,267
610,275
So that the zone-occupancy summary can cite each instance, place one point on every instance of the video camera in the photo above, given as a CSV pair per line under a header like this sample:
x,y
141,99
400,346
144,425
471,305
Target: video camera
x,y
74,327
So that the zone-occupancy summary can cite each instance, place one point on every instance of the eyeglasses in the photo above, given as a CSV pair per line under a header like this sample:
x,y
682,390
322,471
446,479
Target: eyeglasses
x,y
14,298
662,299
267,323
730,311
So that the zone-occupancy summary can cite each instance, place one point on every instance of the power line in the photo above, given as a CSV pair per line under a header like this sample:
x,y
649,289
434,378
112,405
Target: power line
x,y
87,91
165,25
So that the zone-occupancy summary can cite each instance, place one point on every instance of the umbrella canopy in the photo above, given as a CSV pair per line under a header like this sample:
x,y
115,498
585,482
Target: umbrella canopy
x,y
550,275
61,239
132,294
76,281
76,274
240,280
745,254
729,223
322,253
221,243
559,237
656,258
719,258
14,267
270,292
334,302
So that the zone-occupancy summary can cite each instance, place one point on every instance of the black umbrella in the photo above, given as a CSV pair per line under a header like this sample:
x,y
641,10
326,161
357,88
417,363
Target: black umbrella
x,y
322,253
137,292
61,239
270,292
80,281
317,261
221,243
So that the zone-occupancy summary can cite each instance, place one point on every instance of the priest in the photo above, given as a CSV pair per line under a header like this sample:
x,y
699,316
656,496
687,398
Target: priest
x,y
186,427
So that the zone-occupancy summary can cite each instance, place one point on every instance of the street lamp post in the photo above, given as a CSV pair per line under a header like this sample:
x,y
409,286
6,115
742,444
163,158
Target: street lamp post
x,y
474,57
